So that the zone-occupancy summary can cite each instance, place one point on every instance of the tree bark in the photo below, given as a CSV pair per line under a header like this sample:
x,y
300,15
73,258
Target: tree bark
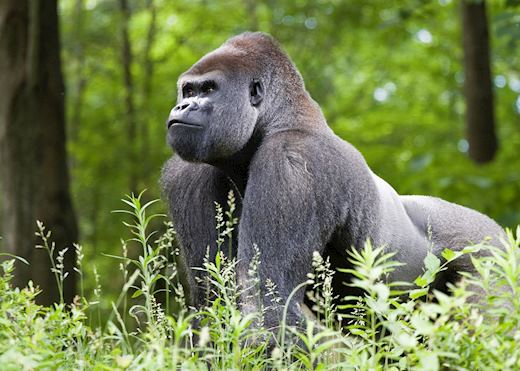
x,y
33,142
147,86
19,131
127,59
478,89
81,81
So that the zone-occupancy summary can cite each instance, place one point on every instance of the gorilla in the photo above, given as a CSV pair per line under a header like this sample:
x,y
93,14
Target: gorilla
x,y
245,122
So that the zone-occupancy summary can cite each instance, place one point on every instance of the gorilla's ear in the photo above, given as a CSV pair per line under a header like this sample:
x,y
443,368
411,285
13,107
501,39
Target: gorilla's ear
x,y
256,92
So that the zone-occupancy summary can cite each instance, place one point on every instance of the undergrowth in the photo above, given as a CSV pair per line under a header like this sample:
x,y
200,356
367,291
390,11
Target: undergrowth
x,y
388,327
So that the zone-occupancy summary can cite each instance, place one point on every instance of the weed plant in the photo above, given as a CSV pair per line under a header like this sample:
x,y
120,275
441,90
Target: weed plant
x,y
393,325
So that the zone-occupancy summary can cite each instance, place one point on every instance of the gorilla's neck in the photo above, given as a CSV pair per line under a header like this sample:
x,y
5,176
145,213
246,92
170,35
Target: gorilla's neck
x,y
236,167
292,110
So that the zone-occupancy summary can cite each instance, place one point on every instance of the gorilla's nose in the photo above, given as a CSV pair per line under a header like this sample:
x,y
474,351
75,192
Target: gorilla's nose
x,y
181,106
190,106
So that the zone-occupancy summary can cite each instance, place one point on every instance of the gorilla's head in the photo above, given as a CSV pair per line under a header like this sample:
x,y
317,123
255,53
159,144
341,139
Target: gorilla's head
x,y
228,95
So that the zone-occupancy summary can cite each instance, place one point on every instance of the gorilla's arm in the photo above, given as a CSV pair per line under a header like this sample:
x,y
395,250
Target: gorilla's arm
x,y
281,215
191,190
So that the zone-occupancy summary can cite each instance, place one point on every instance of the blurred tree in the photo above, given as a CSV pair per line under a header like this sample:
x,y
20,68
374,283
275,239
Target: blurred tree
x,y
478,89
79,88
32,142
148,67
131,121
251,7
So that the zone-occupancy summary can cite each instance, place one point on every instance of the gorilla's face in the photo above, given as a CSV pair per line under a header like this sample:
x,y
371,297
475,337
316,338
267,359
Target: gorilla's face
x,y
215,115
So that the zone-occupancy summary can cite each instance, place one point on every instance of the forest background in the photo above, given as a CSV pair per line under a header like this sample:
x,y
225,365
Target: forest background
x,y
389,76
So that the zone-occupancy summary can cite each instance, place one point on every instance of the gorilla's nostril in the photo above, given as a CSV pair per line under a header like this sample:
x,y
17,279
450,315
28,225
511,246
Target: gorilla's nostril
x,y
181,107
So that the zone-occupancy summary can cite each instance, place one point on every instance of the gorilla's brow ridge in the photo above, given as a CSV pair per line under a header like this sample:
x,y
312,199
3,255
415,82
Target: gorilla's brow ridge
x,y
197,79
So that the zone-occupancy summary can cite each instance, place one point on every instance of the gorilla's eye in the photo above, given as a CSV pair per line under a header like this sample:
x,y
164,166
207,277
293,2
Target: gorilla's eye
x,y
208,87
188,91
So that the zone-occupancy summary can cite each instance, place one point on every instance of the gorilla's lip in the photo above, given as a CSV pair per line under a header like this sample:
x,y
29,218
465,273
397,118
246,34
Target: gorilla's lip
x,y
188,124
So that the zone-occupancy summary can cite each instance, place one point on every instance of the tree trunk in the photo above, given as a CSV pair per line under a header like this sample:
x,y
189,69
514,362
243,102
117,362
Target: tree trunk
x,y
478,89
127,59
252,14
79,73
147,87
19,131
33,142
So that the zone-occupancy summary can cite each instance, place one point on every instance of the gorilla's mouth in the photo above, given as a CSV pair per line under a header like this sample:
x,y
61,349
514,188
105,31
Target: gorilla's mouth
x,y
172,123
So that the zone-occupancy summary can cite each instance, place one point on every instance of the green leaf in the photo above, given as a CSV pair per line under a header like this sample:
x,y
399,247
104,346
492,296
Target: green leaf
x,y
415,294
15,257
137,293
432,262
421,281
449,255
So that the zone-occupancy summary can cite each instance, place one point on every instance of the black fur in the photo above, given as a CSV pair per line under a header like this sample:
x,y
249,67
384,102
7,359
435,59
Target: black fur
x,y
300,187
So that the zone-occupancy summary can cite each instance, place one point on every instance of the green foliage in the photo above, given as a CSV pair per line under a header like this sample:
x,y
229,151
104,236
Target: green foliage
x,y
57,267
33,336
390,82
385,329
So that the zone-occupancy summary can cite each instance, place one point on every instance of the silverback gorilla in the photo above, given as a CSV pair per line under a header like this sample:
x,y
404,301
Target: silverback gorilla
x,y
244,122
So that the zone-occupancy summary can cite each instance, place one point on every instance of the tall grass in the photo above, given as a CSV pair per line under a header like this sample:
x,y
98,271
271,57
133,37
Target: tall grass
x,y
387,327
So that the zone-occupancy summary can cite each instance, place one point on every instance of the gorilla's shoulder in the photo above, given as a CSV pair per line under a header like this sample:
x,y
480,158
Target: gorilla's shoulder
x,y
304,140
307,151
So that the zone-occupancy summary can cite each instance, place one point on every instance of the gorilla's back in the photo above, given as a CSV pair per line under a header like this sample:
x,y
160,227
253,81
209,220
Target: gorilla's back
x,y
451,225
